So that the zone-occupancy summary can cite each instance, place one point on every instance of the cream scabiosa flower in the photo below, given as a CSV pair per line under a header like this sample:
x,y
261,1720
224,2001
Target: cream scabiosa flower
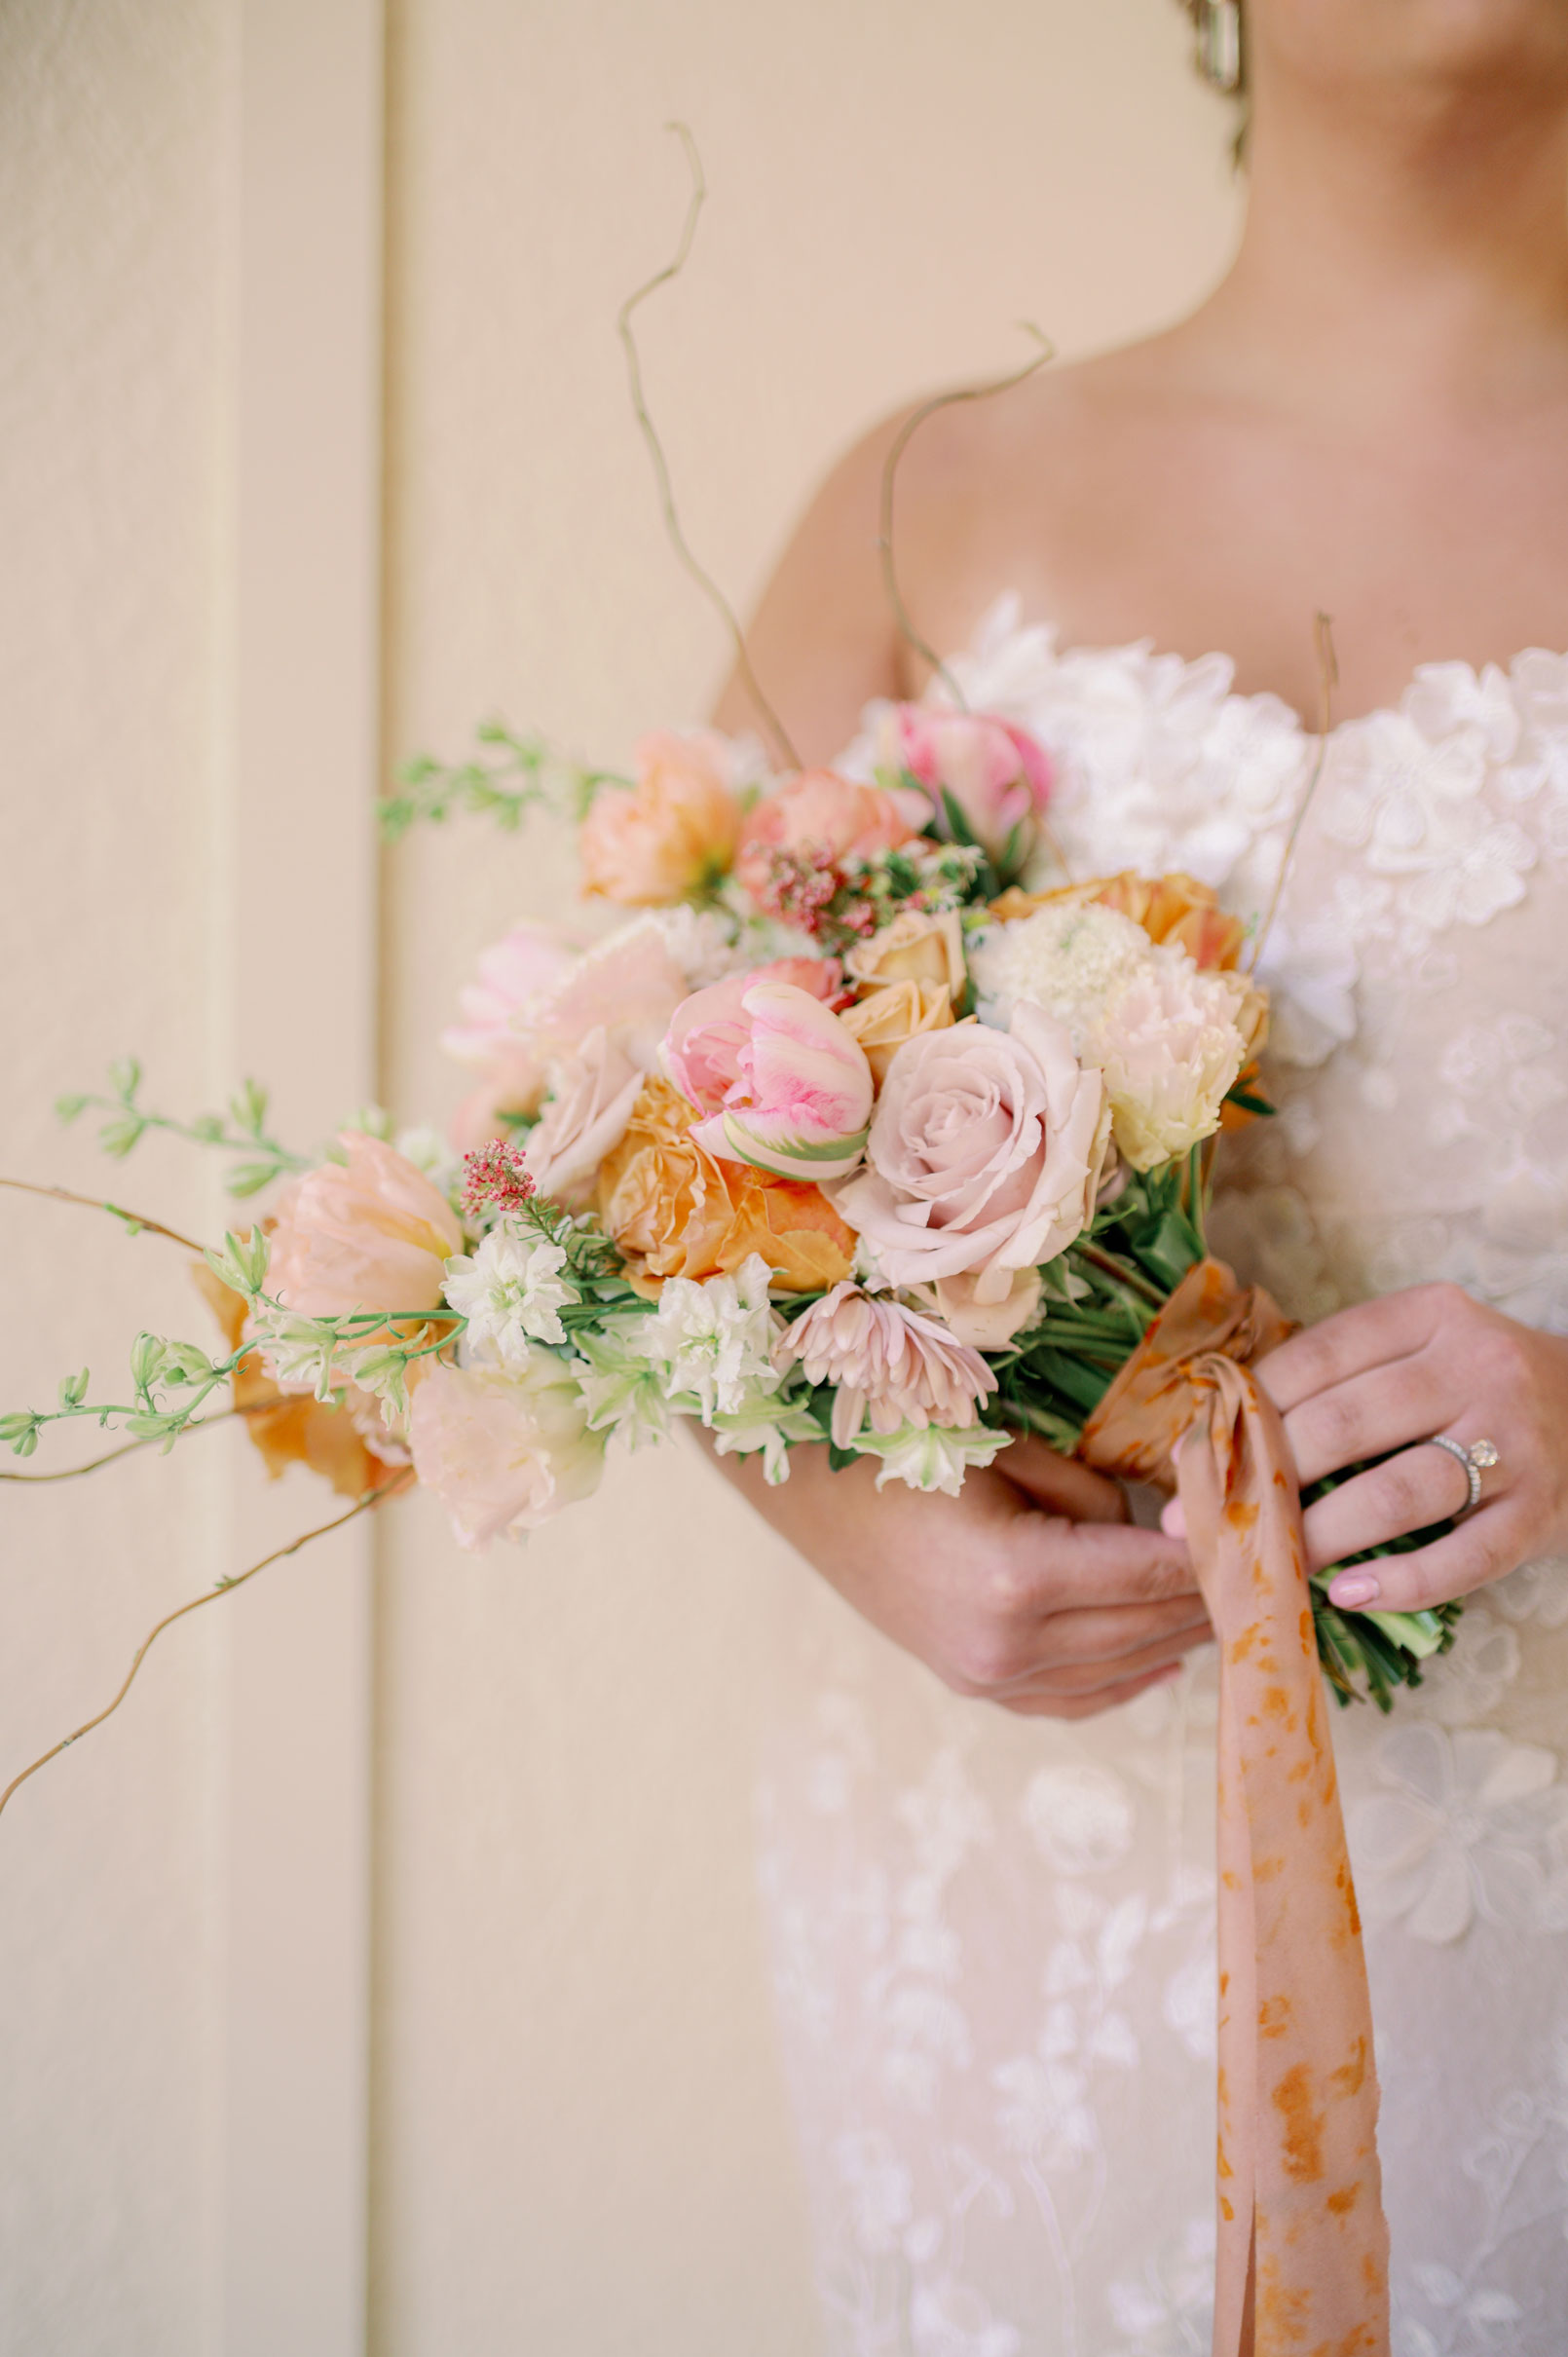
x,y
511,1292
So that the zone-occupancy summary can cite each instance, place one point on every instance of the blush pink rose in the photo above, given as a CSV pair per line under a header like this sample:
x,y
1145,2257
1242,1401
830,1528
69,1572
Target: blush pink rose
x,y
984,1155
503,1450
820,814
674,834
585,1119
787,1088
371,1233
701,1051
997,774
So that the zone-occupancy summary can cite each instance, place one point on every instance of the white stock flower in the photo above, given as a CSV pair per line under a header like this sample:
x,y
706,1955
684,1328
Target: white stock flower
x,y
620,1390
929,1456
511,1292
713,1341
765,1421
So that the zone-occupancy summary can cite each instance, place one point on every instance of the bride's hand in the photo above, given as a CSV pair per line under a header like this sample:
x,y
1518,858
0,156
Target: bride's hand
x,y
1386,1376
1030,1589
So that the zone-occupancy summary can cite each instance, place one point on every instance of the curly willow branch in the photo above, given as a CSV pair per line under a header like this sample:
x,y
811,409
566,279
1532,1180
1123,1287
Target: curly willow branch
x,y
905,434
1322,633
672,522
96,1203
365,1505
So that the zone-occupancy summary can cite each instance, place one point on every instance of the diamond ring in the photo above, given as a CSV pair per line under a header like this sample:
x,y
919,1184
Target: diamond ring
x,y
1476,1459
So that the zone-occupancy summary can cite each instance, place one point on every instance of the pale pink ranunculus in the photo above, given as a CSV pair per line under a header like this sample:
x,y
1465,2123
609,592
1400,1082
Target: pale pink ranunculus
x,y
370,1233
503,1450
818,814
887,1362
790,1088
673,834
984,1155
491,1037
997,774
701,1051
628,985
1172,1041
584,1120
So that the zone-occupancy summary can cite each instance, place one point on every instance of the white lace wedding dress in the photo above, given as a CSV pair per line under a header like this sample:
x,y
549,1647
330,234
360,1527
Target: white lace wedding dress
x,y
993,1937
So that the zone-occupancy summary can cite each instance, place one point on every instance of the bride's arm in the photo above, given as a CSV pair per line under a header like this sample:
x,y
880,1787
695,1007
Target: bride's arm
x,y
1030,1589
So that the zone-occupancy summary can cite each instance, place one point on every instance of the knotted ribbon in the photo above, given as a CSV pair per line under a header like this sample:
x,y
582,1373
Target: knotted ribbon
x,y
1303,2261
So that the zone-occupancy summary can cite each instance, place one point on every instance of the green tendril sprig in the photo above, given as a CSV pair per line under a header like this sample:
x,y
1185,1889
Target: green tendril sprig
x,y
523,773
240,1129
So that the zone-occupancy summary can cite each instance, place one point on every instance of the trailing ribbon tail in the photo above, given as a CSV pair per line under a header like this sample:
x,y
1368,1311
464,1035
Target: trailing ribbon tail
x,y
1302,2264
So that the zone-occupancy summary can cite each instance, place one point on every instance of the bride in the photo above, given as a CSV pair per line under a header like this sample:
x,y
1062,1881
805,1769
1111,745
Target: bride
x,y
993,1927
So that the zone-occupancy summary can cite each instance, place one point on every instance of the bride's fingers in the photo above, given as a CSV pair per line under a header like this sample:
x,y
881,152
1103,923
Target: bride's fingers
x,y
1108,1638
1075,1681
1485,1545
1407,1492
1372,1413
1089,1706
1350,1343
1060,1484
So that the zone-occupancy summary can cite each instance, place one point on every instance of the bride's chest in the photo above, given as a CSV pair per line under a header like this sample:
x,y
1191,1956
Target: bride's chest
x,y
1409,879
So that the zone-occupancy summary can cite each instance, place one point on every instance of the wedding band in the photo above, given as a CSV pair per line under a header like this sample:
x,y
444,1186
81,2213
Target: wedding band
x,y
1476,1459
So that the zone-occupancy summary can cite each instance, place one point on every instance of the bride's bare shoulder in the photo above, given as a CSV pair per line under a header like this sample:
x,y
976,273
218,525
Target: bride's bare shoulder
x,y
986,490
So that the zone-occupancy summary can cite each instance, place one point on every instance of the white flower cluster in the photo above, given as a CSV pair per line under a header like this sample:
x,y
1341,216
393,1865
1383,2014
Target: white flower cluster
x,y
511,1290
707,1350
1170,1036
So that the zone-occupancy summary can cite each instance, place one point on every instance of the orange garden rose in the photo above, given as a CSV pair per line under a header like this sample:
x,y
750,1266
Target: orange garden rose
x,y
295,1427
673,834
675,1210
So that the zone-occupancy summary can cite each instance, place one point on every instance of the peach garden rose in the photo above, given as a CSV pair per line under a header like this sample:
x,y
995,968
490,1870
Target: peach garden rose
x,y
674,834
368,1233
820,814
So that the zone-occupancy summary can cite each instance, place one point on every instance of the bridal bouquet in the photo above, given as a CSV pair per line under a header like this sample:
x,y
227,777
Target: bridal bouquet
x,y
843,1138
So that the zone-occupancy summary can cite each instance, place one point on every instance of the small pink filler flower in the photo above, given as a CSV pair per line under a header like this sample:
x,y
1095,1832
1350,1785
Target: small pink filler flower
x,y
889,1364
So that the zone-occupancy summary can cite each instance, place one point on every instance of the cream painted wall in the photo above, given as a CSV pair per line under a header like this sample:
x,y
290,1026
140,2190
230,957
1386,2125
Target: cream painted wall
x,y
579,2144
113,200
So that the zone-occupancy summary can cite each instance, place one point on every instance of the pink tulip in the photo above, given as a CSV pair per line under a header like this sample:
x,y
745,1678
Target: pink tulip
x,y
998,776
786,1087
708,1031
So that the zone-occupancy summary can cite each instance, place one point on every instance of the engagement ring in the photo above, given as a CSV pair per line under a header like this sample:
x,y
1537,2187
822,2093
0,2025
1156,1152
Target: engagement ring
x,y
1476,1459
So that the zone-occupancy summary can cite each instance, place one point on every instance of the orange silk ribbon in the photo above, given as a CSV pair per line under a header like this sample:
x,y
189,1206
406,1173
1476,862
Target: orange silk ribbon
x,y
1302,2267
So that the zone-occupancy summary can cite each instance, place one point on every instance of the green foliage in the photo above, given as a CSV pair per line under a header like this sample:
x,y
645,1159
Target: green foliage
x,y
524,773
241,1129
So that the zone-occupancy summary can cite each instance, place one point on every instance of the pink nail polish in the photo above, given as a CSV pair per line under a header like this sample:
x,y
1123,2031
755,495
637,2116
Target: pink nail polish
x,y
1354,1588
